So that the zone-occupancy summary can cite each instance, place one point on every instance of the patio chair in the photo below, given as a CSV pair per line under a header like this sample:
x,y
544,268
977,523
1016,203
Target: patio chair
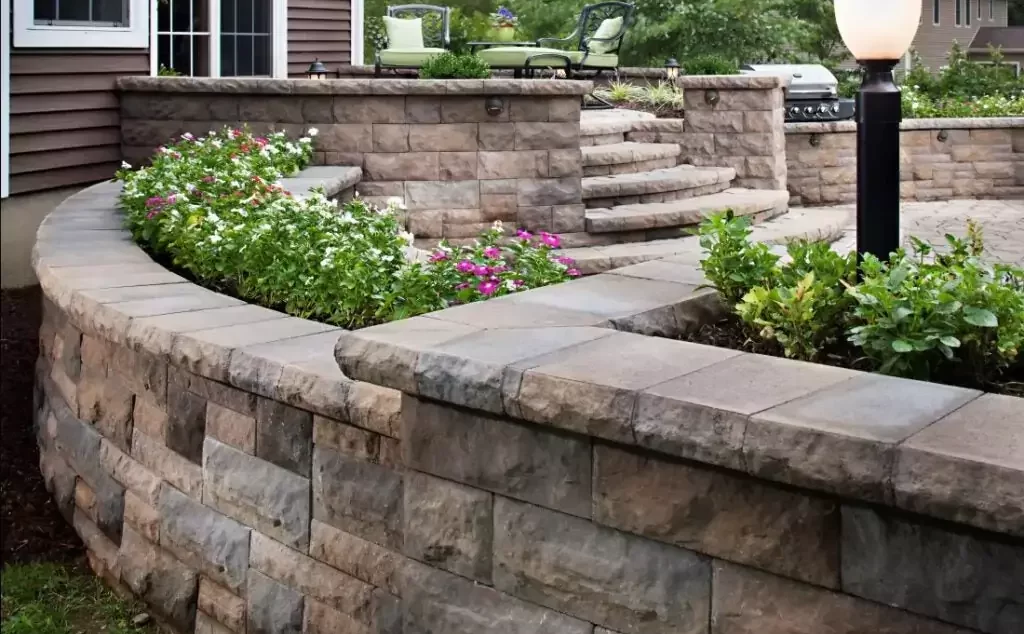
x,y
416,32
592,48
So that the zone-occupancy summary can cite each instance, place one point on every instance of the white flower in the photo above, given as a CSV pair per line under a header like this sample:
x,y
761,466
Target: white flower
x,y
188,136
212,217
214,238
125,165
396,203
497,226
406,237
510,286
313,132
306,139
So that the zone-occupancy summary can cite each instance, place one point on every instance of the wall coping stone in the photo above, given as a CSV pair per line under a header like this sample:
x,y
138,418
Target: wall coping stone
x,y
965,123
731,82
931,449
355,87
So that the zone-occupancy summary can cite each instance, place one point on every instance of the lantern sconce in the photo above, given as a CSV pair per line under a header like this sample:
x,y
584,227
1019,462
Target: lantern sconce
x,y
317,70
815,140
712,97
942,136
494,106
672,68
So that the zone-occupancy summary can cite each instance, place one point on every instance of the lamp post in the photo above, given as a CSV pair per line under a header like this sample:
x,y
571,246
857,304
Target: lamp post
x,y
672,68
878,33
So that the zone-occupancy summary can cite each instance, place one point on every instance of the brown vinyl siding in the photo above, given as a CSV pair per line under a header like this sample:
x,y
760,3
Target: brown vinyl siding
x,y
318,29
65,126
934,41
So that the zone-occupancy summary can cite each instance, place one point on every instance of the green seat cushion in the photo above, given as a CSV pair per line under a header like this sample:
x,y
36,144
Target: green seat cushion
x,y
404,34
516,56
609,28
598,60
408,57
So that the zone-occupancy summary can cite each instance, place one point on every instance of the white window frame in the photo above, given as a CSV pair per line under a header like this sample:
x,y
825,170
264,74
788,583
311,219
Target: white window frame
x,y
992,10
28,34
936,12
357,17
967,12
958,13
278,39
1015,65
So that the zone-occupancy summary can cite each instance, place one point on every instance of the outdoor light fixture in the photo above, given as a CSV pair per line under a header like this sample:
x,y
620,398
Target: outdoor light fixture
x,y
672,68
317,70
878,33
494,105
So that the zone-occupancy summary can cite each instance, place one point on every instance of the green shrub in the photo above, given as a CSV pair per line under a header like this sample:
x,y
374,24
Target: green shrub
x,y
709,65
455,66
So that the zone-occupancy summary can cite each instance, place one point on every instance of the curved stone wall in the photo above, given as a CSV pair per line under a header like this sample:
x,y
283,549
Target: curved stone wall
x,y
523,479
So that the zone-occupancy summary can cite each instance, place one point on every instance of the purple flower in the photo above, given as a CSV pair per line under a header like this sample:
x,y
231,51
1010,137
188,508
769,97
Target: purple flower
x,y
551,240
462,286
493,253
501,268
481,270
505,13
566,260
523,234
465,266
438,256
519,282
488,287
573,273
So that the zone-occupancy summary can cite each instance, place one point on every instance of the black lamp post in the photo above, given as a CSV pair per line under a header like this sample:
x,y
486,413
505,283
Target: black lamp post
x,y
878,33
672,68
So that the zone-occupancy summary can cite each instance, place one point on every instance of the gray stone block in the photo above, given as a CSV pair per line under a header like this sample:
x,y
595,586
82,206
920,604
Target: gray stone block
x,y
358,497
355,556
271,607
525,462
449,526
186,423
599,574
257,493
167,586
204,539
962,578
434,601
284,436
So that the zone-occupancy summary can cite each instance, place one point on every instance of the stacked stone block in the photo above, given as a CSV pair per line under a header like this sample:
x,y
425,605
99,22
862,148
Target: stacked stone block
x,y
433,144
940,159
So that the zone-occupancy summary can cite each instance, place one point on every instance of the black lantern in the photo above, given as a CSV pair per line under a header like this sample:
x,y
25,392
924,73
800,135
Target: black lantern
x,y
672,68
317,70
878,33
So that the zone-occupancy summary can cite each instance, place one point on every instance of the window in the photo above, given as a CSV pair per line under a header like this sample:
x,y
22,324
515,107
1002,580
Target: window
x,y
979,10
82,23
991,10
1014,65
221,38
969,12
959,18
936,4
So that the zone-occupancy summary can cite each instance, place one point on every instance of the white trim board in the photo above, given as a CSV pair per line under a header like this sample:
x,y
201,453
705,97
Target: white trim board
x,y
28,34
357,18
5,98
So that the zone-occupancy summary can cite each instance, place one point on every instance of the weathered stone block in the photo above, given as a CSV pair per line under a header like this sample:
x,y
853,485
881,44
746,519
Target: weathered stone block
x,y
457,166
435,601
597,573
564,109
149,418
547,136
108,403
390,138
748,601
363,109
221,604
442,195
142,517
410,166
422,109
719,514
449,526
208,625
257,493
272,608
346,137
186,423
444,137
165,584
548,191
563,163
346,439
172,467
144,374
103,553
284,436
358,497
129,473
355,556
526,462
528,109
497,136
59,479
204,539
509,164
956,577
231,427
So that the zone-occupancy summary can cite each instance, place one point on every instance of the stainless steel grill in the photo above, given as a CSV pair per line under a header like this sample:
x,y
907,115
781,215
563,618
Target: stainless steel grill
x,y
812,94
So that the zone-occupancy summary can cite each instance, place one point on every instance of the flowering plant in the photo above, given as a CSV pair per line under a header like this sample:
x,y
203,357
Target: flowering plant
x,y
503,18
918,105
214,208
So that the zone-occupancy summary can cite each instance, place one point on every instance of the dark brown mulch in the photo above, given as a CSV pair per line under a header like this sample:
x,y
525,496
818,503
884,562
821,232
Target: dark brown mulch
x,y
32,528
661,113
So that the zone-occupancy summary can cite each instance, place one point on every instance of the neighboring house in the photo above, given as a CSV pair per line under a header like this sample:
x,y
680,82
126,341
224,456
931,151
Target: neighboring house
x,y
971,23
59,116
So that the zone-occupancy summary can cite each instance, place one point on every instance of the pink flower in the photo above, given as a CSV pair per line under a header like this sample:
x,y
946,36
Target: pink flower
x,y
438,256
519,282
465,266
523,234
493,253
155,201
501,268
209,179
462,286
481,270
549,239
488,287
573,273
567,261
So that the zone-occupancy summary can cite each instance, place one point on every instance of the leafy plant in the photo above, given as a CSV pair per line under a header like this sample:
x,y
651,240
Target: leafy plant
x,y
166,71
455,66
503,18
733,264
661,96
621,92
709,65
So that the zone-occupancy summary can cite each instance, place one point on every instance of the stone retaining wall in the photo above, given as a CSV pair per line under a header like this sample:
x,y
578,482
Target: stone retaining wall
x,y
941,159
430,142
544,472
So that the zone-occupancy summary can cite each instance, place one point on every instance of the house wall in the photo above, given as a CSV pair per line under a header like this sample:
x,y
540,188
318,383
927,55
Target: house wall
x,y
319,29
934,41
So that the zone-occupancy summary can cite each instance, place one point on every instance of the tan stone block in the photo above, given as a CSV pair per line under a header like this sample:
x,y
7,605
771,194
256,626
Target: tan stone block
x,y
363,109
547,136
973,153
991,136
142,517
206,624
107,403
714,121
520,164
346,137
465,229
346,439
762,120
764,167
500,186
565,163
85,499
149,418
697,145
408,166
469,110
442,195
222,605
457,166
426,223
838,175
498,206
422,109
525,108
497,136
548,191
181,473
231,427
319,618
445,137
916,138
564,109
356,556
381,188
534,218
390,137
129,473
343,158
65,386
96,354
568,218
1003,169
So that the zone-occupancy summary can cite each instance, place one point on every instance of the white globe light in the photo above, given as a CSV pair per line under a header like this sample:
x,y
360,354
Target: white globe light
x,y
878,29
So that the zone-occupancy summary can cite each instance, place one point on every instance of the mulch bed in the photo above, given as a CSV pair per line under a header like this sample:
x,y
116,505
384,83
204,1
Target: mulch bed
x,y
32,528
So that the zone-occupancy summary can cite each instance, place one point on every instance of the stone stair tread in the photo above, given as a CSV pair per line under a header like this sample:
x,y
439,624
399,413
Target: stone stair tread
x,y
628,152
601,122
827,224
655,181
333,178
686,211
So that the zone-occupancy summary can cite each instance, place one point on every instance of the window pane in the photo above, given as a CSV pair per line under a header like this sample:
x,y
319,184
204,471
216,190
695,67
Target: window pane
x,y
163,16
244,16
261,16
201,55
114,11
181,53
73,10
227,55
201,16
227,18
180,15
261,55
163,51
44,10
968,12
244,57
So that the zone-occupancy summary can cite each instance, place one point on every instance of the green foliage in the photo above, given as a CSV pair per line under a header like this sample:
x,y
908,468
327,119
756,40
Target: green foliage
x,y
963,88
943,316
621,92
455,66
963,77
166,71
917,105
661,98
709,65
48,599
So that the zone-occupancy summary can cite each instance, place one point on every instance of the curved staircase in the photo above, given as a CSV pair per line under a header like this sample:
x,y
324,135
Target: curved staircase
x,y
642,197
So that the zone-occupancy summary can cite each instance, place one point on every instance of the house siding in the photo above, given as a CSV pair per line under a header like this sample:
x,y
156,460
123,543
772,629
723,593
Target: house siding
x,y
934,41
65,119
319,29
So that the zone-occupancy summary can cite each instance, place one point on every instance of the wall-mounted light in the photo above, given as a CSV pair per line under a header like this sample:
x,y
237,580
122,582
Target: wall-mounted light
x,y
815,140
942,136
712,97
317,70
494,106
672,68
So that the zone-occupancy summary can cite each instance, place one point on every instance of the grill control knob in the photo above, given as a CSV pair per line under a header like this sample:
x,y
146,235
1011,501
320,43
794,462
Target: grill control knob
x,y
823,108
795,111
809,111
835,108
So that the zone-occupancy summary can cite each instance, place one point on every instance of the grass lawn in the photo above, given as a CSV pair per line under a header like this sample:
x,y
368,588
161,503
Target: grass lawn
x,y
49,598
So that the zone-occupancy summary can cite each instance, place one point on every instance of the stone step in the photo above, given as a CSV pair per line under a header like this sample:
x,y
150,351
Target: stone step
x,y
337,180
608,127
629,158
828,224
655,186
685,212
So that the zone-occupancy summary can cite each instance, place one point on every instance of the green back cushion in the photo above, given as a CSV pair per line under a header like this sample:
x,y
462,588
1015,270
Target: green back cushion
x,y
404,34
608,28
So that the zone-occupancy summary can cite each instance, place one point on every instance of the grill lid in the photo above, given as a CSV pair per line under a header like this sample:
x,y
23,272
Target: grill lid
x,y
806,81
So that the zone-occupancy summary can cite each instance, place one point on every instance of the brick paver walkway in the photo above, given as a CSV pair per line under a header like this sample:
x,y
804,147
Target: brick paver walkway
x,y
1001,220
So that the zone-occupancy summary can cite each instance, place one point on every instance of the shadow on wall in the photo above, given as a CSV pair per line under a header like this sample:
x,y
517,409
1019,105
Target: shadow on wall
x,y
20,217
